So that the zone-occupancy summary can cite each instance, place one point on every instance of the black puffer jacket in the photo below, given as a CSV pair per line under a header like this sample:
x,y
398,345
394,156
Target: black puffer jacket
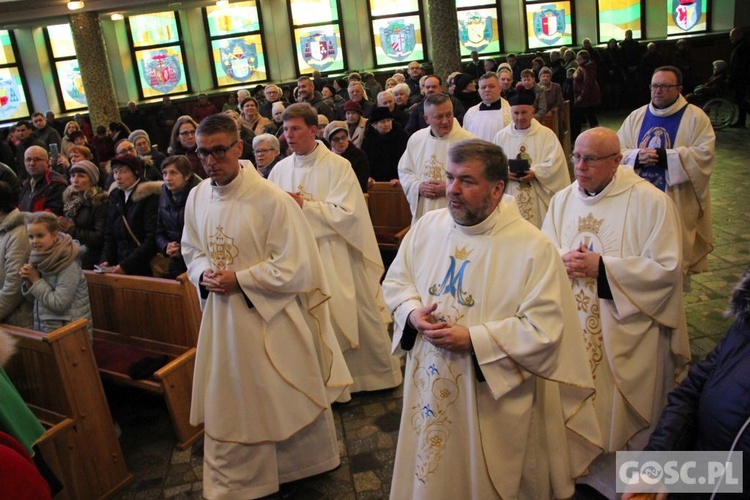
x,y
171,221
90,222
141,211
384,151
709,408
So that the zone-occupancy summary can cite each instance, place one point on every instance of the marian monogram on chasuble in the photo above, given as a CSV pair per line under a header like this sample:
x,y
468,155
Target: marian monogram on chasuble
x,y
222,249
591,236
434,170
435,375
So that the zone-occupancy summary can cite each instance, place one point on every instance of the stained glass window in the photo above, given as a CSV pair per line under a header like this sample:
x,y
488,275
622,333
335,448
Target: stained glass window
x,y
316,33
687,16
237,48
157,50
13,105
479,27
67,73
549,24
396,31
618,16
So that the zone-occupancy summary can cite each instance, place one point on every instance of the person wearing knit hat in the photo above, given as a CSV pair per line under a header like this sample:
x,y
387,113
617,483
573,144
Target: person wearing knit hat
x,y
552,93
130,236
87,168
337,135
320,132
355,122
142,143
384,143
466,90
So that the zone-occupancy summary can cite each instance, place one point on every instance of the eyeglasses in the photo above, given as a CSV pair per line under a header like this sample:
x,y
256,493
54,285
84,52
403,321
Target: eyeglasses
x,y
123,149
340,138
588,159
663,87
263,151
187,132
34,159
218,152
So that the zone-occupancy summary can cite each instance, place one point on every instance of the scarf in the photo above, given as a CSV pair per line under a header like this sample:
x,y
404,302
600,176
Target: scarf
x,y
57,258
72,205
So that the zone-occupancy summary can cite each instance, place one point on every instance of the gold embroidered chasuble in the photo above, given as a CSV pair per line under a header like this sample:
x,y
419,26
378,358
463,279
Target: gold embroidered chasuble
x,y
253,365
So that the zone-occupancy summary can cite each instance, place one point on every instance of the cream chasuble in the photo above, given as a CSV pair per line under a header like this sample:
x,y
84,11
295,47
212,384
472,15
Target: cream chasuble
x,y
336,211
637,342
690,162
424,160
266,372
486,123
538,145
530,429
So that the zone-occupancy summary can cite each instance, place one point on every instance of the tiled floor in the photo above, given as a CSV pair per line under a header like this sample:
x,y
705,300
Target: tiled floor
x,y
368,426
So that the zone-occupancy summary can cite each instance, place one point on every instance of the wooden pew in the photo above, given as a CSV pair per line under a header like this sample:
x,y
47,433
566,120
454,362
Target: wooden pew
x,y
137,317
552,121
390,214
57,377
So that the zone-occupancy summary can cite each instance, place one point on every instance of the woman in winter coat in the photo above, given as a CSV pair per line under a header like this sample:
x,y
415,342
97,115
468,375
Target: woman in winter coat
x,y
588,97
128,247
85,207
179,180
384,143
182,142
14,252
710,408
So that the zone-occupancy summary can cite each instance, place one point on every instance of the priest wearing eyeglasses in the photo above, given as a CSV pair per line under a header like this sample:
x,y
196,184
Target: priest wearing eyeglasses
x,y
619,238
670,143
267,365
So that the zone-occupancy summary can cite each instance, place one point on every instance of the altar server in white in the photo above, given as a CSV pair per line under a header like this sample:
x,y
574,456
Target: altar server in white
x,y
496,401
326,189
422,166
619,238
527,139
670,143
491,115
268,364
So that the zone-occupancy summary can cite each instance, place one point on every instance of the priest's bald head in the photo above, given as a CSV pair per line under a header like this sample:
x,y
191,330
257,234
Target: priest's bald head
x,y
477,173
596,157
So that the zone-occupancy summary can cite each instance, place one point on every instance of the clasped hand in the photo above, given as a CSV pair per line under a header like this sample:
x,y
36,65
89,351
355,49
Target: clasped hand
x,y
581,263
441,334
432,189
220,282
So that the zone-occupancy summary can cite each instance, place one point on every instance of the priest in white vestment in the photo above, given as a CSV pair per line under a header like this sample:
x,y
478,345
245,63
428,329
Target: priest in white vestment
x,y
325,187
671,144
491,115
496,401
545,169
267,365
421,169
619,238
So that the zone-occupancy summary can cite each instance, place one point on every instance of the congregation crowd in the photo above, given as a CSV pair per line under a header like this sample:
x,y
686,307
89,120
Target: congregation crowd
x,y
542,321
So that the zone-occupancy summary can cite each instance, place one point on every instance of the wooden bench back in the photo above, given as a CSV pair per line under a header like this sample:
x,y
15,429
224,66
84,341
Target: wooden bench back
x,y
389,212
56,374
145,312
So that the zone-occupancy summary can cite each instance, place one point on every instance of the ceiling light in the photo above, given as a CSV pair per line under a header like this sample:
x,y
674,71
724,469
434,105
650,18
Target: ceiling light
x,y
75,5
222,3
117,16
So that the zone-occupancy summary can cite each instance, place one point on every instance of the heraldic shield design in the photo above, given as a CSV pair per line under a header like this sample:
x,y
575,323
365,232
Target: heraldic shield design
x,y
239,60
72,83
549,24
474,31
162,71
686,13
398,39
10,97
319,50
